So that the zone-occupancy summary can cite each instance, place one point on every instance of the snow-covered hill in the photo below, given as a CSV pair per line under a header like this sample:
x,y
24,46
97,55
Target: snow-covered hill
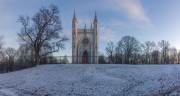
x,y
92,80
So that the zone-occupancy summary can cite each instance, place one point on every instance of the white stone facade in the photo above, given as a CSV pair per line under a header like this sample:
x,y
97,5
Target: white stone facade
x,y
84,42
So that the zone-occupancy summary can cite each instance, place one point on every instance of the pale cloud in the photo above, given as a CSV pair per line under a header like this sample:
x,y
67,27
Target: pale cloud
x,y
107,34
133,9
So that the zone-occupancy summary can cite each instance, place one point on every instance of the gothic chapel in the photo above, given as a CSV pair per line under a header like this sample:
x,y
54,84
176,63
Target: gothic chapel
x,y
84,42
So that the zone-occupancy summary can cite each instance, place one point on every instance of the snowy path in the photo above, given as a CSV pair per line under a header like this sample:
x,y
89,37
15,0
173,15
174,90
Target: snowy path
x,y
91,80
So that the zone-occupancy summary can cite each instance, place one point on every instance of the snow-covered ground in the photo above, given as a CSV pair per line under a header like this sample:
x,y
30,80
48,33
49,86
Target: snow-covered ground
x,y
92,80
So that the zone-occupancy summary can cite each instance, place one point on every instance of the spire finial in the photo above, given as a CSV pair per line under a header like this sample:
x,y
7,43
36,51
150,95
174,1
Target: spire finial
x,y
74,16
95,17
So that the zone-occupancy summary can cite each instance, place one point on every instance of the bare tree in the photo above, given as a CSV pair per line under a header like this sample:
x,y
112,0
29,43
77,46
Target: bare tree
x,y
110,51
155,57
130,46
101,59
164,45
10,52
148,46
1,41
10,58
25,57
63,60
2,55
178,57
42,32
173,55
52,60
119,55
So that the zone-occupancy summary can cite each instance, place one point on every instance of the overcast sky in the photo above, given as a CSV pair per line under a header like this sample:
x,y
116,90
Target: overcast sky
x,y
147,20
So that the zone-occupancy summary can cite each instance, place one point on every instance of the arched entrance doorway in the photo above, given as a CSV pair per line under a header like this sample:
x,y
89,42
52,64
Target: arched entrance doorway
x,y
85,57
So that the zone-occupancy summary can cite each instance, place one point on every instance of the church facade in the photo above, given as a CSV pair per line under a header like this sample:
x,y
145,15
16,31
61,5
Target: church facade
x,y
84,42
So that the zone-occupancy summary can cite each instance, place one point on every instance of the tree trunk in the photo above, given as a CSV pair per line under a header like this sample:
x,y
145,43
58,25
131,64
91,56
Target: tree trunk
x,y
37,58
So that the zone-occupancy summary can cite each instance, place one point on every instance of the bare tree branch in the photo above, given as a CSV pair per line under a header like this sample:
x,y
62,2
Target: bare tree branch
x,y
43,34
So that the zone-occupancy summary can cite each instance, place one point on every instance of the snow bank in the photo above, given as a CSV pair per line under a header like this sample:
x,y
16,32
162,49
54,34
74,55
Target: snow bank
x,y
92,80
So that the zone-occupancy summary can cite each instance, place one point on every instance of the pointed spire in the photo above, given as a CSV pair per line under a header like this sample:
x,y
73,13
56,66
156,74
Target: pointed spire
x,y
95,15
95,18
74,16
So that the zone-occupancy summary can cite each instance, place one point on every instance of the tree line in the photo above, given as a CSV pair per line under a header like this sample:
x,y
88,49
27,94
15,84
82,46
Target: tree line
x,y
129,50
22,58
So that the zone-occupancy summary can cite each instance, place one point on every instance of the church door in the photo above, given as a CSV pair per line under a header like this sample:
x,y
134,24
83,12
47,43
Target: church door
x,y
85,57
